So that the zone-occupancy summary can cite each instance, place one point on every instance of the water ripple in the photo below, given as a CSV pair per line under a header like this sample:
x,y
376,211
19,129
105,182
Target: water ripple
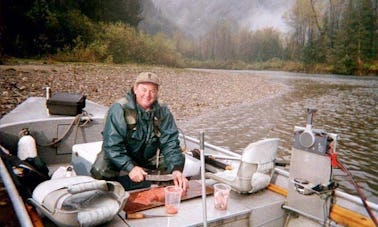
x,y
346,106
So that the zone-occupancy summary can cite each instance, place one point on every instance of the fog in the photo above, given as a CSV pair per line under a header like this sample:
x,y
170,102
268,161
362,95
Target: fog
x,y
195,17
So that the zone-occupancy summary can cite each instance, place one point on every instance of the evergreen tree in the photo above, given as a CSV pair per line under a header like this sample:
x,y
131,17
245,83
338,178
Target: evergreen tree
x,y
367,30
355,38
38,27
347,39
125,11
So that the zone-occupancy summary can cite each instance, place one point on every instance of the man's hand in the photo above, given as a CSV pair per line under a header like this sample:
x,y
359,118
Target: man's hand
x,y
180,180
137,174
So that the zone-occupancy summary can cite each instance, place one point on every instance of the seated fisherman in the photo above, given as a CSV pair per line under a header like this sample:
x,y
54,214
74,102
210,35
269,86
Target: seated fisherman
x,y
137,129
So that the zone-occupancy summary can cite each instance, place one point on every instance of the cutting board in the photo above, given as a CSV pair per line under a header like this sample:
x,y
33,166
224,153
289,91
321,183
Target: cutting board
x,y
194,191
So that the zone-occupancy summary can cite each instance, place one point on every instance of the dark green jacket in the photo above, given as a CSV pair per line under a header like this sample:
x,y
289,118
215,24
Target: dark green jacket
x,y
143,142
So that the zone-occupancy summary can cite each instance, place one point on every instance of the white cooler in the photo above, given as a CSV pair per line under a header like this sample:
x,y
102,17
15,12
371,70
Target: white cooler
x,y
83,156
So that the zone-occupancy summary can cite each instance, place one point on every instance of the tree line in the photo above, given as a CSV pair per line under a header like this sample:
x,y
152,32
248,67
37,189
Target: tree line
x,y
336,36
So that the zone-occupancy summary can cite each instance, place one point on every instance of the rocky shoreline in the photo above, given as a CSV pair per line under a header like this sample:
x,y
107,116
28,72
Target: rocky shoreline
x,y
187,92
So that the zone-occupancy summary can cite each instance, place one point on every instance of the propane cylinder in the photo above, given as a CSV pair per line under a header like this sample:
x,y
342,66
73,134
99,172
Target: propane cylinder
x,y
27,147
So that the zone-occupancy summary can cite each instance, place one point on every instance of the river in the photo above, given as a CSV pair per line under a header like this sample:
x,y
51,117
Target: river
x,y
347,106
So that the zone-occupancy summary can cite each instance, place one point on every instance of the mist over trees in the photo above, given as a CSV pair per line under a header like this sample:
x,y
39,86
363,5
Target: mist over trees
x,y
337,36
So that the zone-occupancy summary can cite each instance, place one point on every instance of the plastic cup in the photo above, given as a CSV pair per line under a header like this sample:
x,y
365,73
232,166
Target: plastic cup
x,y
221,193
172,199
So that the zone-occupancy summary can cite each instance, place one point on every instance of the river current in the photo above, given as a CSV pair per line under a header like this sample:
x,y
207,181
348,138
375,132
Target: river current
x,y
347,106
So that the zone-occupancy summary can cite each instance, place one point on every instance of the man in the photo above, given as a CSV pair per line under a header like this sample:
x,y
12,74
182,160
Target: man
x,y
133,148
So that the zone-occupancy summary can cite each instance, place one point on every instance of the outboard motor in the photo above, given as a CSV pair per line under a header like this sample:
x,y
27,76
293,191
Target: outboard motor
x,y
310,184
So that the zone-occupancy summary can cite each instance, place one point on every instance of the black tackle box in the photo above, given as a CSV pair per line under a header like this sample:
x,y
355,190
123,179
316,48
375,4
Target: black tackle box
x,y
63,103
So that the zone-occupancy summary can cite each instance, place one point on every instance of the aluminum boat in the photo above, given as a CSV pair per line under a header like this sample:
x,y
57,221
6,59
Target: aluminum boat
x,y
263,193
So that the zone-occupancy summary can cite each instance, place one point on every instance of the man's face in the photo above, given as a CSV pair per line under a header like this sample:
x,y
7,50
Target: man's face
x,y
146,94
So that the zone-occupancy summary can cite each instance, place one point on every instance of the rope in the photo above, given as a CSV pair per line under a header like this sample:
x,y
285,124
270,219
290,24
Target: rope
x,y
76,121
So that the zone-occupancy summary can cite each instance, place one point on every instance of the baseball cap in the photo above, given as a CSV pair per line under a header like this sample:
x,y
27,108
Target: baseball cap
x,y
147,77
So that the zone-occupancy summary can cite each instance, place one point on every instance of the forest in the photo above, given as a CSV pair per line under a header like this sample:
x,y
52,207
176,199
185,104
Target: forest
x,y
325,36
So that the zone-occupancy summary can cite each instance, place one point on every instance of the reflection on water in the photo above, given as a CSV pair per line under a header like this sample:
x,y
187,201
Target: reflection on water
x,y
346,106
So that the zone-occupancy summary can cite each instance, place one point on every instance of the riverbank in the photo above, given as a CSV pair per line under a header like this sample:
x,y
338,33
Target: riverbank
x,y
188,93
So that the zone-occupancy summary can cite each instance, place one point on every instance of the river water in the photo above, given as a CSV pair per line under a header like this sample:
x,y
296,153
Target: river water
x,y
347,106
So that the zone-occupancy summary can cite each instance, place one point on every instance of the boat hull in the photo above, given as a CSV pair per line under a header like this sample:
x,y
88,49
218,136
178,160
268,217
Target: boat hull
x,y
263,208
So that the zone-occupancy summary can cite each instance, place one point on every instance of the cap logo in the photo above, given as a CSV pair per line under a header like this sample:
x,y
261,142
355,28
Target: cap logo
x,y
147,77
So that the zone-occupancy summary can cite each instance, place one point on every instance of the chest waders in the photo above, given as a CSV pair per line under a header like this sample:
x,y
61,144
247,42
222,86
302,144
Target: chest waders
x,y
102,168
